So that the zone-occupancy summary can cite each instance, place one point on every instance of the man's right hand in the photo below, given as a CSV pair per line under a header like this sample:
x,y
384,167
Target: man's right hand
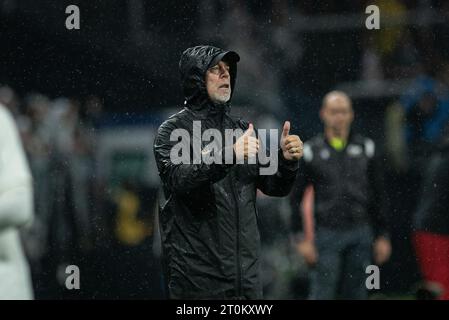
x,y
247,145
307,249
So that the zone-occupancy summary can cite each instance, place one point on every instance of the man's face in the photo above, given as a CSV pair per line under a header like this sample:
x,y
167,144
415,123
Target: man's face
x,y
337,113
218,82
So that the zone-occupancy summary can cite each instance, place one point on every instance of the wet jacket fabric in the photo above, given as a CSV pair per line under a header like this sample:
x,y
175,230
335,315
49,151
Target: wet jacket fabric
x,y
208,223
348,185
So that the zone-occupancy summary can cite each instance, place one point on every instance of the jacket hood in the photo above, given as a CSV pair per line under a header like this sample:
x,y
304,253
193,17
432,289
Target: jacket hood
x,y
193,65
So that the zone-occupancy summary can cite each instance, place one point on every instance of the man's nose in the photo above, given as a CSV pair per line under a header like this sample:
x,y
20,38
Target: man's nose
x,y
225,72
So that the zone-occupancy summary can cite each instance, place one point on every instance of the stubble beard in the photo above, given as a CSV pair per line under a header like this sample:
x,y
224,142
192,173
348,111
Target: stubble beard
x,y
221,98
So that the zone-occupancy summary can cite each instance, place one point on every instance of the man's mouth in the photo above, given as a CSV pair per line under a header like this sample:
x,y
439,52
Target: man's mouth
x,y
224,86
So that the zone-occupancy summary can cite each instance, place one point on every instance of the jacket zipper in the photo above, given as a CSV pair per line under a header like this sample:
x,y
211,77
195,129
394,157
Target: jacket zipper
x,y
237,221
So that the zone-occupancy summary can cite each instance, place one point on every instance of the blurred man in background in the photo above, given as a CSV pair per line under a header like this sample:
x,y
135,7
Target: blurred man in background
x,y
16,210
349,215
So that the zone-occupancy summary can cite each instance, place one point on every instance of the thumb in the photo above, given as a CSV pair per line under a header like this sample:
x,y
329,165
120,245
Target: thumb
x,y
286,129
250,130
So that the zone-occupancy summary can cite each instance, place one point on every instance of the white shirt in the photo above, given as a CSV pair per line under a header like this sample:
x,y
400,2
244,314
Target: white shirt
x,y
16,210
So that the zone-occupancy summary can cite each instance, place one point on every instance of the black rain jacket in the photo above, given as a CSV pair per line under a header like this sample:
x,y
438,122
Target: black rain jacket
x,y
209,229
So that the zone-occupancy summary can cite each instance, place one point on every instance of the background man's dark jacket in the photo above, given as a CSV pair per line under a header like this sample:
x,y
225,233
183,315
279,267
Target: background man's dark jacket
x,y
209,228
348,185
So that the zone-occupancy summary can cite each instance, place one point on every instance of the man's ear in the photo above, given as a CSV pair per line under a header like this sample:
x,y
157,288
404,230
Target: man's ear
x,y
352,116
322,113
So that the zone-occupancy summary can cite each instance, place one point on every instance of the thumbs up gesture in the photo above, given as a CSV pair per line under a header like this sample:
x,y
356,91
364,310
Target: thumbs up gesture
x,y
291,145
247,145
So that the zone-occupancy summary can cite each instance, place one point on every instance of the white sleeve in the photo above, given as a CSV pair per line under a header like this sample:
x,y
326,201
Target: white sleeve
x,y
16,191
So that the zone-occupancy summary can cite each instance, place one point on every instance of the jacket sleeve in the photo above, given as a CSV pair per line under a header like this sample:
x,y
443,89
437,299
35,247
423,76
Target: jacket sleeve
x,y
280,183
184,177
297,194
16,192
377,202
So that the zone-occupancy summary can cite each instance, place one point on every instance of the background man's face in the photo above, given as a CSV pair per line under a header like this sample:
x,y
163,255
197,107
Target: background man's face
x,y
337,113
218,83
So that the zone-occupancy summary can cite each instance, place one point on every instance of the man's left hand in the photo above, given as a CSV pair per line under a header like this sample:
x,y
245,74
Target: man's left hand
x,y
382,250
291,145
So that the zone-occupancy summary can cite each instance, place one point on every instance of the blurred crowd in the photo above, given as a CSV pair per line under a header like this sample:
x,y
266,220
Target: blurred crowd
x,y
79,217
272,41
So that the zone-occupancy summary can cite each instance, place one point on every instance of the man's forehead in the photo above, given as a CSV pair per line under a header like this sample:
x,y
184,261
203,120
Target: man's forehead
x,y
337,99
222,62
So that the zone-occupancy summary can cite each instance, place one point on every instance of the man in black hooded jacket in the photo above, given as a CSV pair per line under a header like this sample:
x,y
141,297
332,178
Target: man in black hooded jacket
x,y
210,235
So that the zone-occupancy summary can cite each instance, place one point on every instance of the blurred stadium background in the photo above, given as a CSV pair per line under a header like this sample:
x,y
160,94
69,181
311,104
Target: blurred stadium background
x,y
87,103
